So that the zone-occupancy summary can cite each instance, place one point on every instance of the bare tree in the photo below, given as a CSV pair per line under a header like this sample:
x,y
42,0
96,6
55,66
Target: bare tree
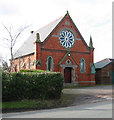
x,y
5,66
12,39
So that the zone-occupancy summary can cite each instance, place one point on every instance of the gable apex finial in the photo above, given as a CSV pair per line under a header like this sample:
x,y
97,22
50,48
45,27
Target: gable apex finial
x,y
67,12
91,43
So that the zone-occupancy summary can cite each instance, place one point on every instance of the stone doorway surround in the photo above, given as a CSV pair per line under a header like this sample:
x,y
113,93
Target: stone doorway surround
x,y
73,69
68,63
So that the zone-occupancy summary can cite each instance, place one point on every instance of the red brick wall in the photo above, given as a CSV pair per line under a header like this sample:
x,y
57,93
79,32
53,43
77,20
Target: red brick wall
x,y
52,47
53,42
26,60
102,75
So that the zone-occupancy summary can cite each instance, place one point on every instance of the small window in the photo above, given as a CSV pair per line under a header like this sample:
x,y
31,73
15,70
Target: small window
x,y
23,65
93,69
13,68
108,74
68,62
23,60
50,63
19,64
82,65
16,68
29,63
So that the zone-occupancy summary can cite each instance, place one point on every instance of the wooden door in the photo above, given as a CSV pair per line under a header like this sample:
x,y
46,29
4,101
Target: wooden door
x,y
67,75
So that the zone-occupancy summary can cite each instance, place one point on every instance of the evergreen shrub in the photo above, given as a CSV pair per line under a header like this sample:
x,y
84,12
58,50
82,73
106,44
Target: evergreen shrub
x,y
37,71
31,85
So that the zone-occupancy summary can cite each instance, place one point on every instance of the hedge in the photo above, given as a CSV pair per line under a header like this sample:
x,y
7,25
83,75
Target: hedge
x,y
36,71
19,86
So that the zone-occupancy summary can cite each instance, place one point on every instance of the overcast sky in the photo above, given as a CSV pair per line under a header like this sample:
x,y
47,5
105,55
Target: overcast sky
x,y
92,17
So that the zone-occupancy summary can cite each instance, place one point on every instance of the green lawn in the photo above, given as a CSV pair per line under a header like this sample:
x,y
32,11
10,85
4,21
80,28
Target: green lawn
x,y
19,104
37,104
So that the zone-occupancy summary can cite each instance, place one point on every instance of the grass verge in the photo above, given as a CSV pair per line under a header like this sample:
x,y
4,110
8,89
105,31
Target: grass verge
x,y
26,105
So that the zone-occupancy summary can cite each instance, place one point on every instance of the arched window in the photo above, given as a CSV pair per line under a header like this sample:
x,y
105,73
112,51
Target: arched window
x,y
82,65
13,67
16,68
93,69
29,63
23,60
19,64
50,63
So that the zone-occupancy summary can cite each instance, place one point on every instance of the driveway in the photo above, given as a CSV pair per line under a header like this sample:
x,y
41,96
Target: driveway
x,y
84,95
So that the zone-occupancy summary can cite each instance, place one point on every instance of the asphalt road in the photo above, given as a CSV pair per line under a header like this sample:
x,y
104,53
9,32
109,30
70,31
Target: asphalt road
x,y
93,110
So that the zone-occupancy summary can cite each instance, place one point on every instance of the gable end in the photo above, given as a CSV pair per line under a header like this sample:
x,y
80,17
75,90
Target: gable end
x,y
67,16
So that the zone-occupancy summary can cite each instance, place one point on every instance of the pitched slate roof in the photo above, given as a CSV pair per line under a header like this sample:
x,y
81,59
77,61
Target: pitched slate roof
x,y
28,46
103,63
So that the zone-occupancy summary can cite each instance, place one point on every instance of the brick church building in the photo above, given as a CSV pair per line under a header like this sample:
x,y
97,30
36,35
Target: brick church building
x,y
58,47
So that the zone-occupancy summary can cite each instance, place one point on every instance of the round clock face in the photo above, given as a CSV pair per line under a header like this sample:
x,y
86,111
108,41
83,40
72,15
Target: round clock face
x,y
66,39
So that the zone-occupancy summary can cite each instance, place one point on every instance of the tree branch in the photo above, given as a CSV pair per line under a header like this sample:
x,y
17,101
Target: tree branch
x,y
16,36
9,32
12,38
7,39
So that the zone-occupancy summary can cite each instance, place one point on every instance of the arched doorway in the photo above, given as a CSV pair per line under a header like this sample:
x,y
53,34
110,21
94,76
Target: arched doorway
x,y
67,74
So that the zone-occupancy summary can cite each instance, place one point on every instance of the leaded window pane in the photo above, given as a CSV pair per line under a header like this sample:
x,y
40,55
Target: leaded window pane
x,y
50,63
29,63
82,65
